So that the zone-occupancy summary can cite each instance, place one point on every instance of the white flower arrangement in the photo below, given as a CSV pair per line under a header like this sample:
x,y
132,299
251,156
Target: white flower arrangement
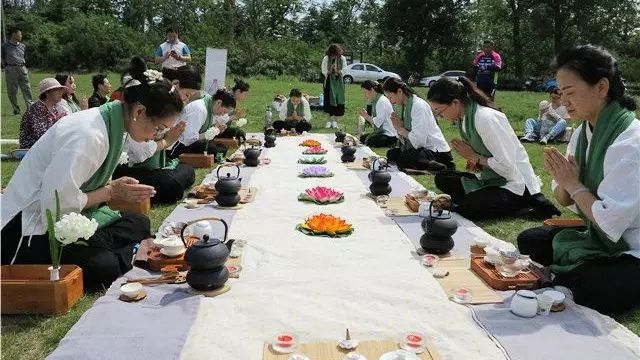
x,y
73,227
211,133
66,230
152,76
241,122
124,158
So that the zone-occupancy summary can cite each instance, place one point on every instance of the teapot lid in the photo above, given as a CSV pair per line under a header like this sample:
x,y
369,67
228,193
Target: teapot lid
x,y
526,293
206,242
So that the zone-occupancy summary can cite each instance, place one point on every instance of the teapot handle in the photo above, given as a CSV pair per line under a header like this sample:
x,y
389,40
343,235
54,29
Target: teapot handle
x,y
377,160
221,166
226,227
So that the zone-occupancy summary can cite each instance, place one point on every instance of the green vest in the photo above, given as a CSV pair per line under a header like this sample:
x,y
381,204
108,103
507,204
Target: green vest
x,y
208,103
335,83
299,109
405,144
488,177
571,247
111,113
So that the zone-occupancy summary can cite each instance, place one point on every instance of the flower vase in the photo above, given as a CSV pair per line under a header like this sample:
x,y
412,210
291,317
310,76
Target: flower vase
x,y
54,273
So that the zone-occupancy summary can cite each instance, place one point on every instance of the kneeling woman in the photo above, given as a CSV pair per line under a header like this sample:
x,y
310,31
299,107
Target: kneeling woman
x,y
76,157
421,143
599,263
205,120
295,113
506,185
384,134
240,91
147,161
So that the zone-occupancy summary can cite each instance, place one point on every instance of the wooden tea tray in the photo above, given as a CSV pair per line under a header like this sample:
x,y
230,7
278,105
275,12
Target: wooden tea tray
x,y
488,272
356,165
247,194
371,349
400,207
461,276
156,261
564,222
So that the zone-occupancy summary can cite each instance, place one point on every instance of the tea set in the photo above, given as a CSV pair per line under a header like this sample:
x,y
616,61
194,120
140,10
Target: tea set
x,y
528,304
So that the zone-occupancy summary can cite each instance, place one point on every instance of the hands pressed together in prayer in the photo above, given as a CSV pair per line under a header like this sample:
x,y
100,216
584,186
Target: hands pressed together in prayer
x,y
130,190
464,149
174,133
563,169
397,124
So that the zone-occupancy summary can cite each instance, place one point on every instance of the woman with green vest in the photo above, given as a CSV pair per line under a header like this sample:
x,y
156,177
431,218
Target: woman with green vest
x,y
421,144
333,89
240,91
506,184
76,158
295,113
205,119
383,134
148,162
600,178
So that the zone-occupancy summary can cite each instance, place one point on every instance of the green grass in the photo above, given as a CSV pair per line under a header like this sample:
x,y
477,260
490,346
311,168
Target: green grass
x,y
34,337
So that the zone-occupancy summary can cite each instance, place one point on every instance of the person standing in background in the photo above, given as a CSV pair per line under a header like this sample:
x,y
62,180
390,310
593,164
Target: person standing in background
x,y
101,88
173,53
486,66
332,65
16,73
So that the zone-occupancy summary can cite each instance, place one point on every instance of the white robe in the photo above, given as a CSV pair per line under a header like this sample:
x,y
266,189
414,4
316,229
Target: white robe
x,y
617,207
194,115
63,159
510,160
425,132
384,109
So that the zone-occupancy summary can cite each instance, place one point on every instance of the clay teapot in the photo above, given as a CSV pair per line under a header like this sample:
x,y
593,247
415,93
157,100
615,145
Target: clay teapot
x,y
251,156
380,173
228,184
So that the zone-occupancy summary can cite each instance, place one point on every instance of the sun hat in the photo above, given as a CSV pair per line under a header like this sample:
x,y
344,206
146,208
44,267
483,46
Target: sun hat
x,y
49,84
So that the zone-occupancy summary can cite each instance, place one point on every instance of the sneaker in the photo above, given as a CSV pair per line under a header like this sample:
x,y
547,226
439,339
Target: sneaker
x,y
544,140
328,126
334,124
528,138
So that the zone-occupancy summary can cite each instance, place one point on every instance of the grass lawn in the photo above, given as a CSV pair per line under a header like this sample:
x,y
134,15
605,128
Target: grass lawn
x,y
34,337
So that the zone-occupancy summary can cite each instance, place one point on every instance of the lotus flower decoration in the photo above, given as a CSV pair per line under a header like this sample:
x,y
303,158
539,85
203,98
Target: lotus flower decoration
x,y
316,171
312,160
315,150
322,195
325,225
310,143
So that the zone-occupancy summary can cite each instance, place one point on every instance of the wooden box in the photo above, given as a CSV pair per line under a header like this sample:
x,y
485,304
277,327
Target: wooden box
x,y
141,207
26,289
488,273
198,160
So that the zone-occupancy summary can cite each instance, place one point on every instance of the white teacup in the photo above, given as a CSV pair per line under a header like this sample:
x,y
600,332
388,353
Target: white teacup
x,y
172,246
131,290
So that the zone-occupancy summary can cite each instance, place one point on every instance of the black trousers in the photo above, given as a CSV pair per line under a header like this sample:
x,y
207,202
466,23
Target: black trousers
x,y
608,285
197,147
108,256
378,140
299,126
233,132
170,185
492,202
421,159
488,87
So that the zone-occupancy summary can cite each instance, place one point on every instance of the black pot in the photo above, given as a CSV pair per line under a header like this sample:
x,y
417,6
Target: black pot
x,y
228,200
269,140
348,158
251,162
380,189
439,226
268,132
348,150
228,184
379,177
340,135
205,280
436,244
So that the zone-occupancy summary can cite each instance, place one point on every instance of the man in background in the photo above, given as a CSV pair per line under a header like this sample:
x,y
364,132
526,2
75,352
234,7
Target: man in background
x,y
173,53
16,73
101,88
486,66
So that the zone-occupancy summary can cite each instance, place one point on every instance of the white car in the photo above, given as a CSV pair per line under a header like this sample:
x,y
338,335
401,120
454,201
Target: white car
x,y
452,74
359,72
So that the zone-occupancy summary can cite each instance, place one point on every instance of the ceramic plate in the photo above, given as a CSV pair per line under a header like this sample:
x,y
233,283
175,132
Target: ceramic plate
x,y
399,355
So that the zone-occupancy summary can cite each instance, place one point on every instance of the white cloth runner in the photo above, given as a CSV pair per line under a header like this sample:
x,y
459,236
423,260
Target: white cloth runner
x,y
316,287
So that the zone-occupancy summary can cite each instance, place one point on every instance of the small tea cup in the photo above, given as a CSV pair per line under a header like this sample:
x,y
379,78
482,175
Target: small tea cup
x,y
131,290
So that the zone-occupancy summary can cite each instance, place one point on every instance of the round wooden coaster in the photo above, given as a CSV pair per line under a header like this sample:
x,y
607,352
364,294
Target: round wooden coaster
x,y
239,206
558,308
141,295
211,293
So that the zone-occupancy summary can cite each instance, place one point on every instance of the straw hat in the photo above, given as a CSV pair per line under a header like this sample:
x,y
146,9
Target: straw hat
x,y
49,84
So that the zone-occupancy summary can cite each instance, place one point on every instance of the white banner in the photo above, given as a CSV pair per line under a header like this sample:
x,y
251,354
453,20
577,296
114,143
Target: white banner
x,y
215,70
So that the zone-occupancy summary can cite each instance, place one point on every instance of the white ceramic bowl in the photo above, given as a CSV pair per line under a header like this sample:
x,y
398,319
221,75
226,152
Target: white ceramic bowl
x,y
131,290
557,296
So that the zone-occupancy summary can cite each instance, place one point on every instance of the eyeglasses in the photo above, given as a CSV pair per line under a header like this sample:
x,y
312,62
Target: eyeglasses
x,y
438,113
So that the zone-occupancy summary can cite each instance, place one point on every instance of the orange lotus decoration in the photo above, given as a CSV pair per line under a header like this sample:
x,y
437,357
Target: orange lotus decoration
x,y
310,143
327,225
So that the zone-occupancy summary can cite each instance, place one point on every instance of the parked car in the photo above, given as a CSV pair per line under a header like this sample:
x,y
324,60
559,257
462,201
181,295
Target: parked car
x,y
453,74
359,72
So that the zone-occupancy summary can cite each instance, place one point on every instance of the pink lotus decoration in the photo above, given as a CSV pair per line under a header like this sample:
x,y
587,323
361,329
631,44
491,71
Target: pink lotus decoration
x,y
321,195
315,150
